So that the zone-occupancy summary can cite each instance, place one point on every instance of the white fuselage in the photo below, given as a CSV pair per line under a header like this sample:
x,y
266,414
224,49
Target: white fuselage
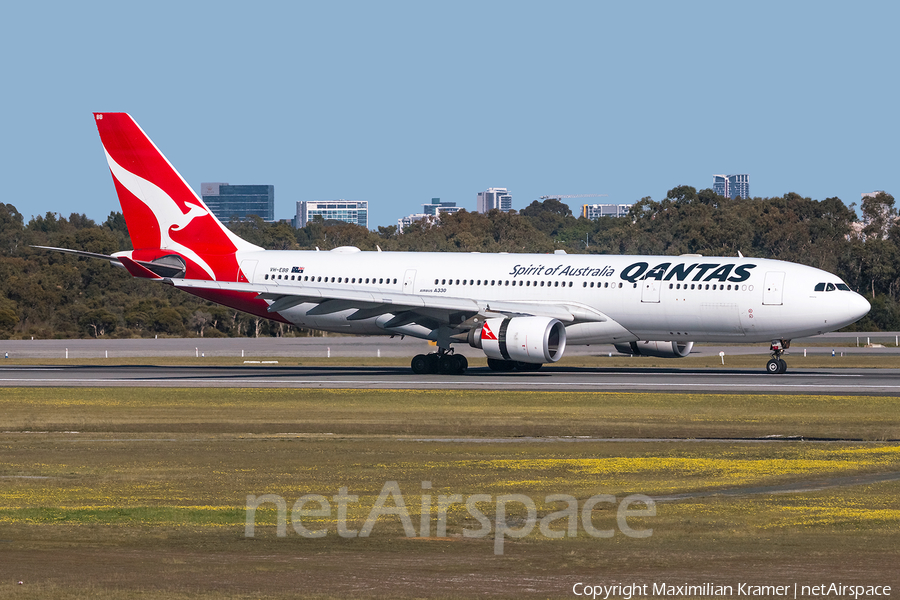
x,y
689,298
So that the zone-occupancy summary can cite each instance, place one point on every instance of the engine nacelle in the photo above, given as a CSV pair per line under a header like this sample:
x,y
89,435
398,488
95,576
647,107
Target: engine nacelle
x,y
657,349
533,340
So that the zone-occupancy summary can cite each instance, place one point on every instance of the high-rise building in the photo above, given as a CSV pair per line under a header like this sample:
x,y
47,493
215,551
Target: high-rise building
x,y
732,186
437,207
492,198
350,211
239,201
595,211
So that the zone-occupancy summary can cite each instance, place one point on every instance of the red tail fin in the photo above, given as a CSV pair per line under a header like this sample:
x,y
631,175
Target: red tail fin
x,y
164,215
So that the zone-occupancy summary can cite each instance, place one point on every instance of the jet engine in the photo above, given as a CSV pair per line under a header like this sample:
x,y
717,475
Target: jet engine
x,y
533,340
657,349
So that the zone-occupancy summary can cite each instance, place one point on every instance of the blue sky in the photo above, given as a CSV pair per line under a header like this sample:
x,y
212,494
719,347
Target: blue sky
x,y
400,102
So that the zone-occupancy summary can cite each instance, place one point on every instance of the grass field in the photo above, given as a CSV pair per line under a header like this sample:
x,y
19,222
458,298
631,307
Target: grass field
x,y
112,493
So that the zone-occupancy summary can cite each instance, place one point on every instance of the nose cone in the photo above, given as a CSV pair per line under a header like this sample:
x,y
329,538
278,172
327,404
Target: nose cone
x,y
855,308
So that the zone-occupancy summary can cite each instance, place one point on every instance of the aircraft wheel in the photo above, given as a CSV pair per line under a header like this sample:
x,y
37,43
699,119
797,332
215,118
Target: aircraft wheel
x,y
774,366
502,366
448,365
462,363
782,365
420,364
434,363
528,367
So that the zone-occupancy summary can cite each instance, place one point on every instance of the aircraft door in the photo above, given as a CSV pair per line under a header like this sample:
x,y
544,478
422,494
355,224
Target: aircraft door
x,y
650,291
248,269
773,290
409,281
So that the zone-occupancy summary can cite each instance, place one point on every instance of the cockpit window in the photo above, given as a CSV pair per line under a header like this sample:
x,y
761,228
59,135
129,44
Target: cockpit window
x,y
830,287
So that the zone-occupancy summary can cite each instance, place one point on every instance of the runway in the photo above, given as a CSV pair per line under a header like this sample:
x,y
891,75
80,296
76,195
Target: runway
x,y
808,381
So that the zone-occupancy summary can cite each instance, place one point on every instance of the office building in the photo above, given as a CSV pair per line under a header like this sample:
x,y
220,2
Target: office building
x,y
732,186
350,211
239,201
595,211
415,218
436,207
494,198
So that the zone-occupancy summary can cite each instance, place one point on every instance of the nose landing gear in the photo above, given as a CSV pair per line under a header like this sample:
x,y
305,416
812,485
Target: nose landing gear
x,y
776,365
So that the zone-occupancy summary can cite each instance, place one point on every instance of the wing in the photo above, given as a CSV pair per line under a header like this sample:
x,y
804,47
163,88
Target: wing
x,y
429,311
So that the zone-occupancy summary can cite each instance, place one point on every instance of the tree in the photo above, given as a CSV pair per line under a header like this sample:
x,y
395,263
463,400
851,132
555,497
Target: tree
x,y
98,322
199,321
878,215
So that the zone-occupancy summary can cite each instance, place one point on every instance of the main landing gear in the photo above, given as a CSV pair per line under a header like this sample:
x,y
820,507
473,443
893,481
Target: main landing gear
x,y
440,362
776,365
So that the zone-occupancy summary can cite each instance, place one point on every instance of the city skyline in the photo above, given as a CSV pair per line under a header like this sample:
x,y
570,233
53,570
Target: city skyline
x,y
624,112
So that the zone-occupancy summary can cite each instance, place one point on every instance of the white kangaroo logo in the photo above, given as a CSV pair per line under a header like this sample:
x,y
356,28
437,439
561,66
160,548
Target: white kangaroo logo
x,y
194,212
164,208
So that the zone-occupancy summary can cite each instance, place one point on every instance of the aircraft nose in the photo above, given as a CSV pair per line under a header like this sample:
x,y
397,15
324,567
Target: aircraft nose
x,y
857,307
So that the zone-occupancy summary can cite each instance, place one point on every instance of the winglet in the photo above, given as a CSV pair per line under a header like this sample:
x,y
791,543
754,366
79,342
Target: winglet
x,y
137,270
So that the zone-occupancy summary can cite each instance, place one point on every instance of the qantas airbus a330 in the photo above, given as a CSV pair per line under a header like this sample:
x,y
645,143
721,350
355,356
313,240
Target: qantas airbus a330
x,y
521,310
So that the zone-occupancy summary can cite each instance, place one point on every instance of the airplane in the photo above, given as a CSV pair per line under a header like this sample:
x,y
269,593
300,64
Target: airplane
x,y
520,310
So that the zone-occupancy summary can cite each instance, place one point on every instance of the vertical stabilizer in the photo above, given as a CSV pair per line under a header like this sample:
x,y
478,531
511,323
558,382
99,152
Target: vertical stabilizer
x,y
164,215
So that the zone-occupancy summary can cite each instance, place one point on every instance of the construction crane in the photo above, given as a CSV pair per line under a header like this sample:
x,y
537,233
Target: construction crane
x,y
559,196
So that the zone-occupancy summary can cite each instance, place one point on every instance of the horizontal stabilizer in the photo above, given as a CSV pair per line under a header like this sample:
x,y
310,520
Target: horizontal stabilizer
x,y
137,270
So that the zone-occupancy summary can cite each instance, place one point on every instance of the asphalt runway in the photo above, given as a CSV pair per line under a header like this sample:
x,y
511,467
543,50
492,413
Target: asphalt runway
x,y
799,381
551,377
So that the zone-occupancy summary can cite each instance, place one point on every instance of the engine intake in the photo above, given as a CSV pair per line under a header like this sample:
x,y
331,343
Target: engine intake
x,y
523,339
657,349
